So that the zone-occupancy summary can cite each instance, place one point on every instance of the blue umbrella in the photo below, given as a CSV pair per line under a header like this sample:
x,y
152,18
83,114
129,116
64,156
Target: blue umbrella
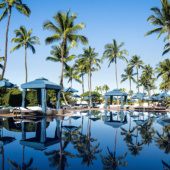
x,y
139,96
86,98
7,84
94,95
70,90
76,96
164,95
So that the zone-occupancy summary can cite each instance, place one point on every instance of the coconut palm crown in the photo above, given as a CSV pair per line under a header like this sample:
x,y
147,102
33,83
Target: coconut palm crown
x,y
161,19
7,5
66,31
25,39
112,53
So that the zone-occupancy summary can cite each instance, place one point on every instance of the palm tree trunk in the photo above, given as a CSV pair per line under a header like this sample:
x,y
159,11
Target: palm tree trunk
x,y
115,144
90,86
71,83
116,79
62,61
26,63
116,73
130,86
83,85
6,45
143,89
60,162
169,34
137,81
2,150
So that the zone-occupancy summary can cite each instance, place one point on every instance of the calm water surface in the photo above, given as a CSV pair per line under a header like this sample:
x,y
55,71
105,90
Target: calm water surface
x,y
90,140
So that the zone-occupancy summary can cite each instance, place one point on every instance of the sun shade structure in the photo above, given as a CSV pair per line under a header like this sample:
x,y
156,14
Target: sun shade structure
x,y
86,98
41,85
40,141
70,90
116,92
139,96
76,96
7,84
164,95
94,95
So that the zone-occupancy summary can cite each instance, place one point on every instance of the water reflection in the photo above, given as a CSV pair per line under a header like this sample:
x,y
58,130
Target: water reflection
x,y
79,142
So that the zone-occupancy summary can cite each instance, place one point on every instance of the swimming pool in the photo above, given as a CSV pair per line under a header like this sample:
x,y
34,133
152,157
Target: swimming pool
x,y
87,140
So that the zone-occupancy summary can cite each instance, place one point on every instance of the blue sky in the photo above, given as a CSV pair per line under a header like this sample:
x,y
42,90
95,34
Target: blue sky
x,y
123,20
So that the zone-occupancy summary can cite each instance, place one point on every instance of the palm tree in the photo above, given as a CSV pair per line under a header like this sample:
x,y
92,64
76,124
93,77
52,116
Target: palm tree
x,y
128,75
111,162
65,30
163,142
90,59
137,63
166,166
81,70
23,167
166,48
160,19
112,52
71,75
24,38
1,59
97,89
148,72
163,69
8,5
56,55
106,87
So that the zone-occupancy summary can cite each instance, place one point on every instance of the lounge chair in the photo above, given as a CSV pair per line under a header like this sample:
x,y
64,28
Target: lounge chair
x,y
4,110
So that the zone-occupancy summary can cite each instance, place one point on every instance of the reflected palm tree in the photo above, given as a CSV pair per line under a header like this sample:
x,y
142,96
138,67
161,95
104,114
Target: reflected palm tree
x,y
111,162
83,145
70,136
59,157
128,133
135,147
25,166
163,142
166,166
147,133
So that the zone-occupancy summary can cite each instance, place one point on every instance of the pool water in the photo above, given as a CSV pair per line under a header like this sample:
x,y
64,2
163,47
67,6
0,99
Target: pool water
x,y
87,140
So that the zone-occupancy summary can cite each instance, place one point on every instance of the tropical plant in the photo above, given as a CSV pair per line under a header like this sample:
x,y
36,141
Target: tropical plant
x,y
163,69
128,75
111,162
161,20
163,142
112,53
128,134
81,70
8,5
148,73
105,87
90,59
1,59
65,30
123,90
24,39
166,48
137,63
56,157
135,148
166,166
23,167
56,55
97,88
71,75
